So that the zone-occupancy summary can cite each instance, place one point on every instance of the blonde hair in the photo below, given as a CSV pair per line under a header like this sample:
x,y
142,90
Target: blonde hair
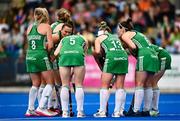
x,y
41,15
63,14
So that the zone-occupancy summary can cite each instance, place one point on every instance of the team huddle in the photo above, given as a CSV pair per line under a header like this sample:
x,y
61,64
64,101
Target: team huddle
x,y
55,56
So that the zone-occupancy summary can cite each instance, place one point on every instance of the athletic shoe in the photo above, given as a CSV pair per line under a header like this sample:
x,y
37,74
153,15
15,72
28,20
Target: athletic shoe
x,y
100,114
55,110
134,114
123,113
106,113
30,113
45,112
116,114
65,114
154,113
145,113
80,114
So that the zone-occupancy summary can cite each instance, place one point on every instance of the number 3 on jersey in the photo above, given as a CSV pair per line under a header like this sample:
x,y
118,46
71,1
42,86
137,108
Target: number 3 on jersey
x,y
117,45
72,41
33,44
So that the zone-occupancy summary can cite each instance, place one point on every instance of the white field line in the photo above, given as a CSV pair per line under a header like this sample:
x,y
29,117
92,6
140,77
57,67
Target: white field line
x,y
87,103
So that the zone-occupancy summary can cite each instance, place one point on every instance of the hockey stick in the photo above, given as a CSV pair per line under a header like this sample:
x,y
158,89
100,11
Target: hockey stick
x,y
110,87
70,97
107,105
70,104
58,99
131,106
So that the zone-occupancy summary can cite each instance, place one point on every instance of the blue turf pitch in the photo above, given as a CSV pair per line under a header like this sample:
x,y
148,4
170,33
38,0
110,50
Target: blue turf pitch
x,y
14,105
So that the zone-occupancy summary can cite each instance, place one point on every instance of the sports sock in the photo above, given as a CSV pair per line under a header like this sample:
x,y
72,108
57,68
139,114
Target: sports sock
x,y
65,98
139,95
40,92
123,102
155,99
148,94
104,96
56,103
79,94
32,97
45,95
119,99
50,101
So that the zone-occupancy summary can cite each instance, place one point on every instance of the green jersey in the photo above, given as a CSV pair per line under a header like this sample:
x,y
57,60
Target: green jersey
x,y
72,51
164,57
53,26
147,59
36,41
112,43
37,56
116,59
140,40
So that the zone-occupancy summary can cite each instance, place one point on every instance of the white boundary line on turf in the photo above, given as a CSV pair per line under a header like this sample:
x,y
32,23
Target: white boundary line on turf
x,y
169,114
97,103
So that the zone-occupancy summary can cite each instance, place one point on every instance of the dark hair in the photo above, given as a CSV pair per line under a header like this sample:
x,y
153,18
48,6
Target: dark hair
x,y
103,26
70,24
128,25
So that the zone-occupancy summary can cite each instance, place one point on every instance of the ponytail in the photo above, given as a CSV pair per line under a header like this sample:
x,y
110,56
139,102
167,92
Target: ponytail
x,y
103,26
41,15
128,25
63,15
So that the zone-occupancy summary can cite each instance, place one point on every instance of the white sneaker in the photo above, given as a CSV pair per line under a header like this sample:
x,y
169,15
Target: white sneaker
x,y
30,113
80,114
116,114
100,114
65,114
123,112
45,112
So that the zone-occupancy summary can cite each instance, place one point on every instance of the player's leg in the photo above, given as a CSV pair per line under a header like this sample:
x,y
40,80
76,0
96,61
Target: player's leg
x,y
65,73
35,77
120,96
79,74
104,94
156,93
41,88
148,94
54,103
140,77
48,77
58,85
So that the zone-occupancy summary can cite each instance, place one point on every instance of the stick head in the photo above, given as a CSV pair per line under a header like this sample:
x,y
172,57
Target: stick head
x,y
71,114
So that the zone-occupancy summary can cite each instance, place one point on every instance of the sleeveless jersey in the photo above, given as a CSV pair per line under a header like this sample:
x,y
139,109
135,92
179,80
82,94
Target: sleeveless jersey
x,y
72,52
147,59
37,56
53,26
164,57
116,59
